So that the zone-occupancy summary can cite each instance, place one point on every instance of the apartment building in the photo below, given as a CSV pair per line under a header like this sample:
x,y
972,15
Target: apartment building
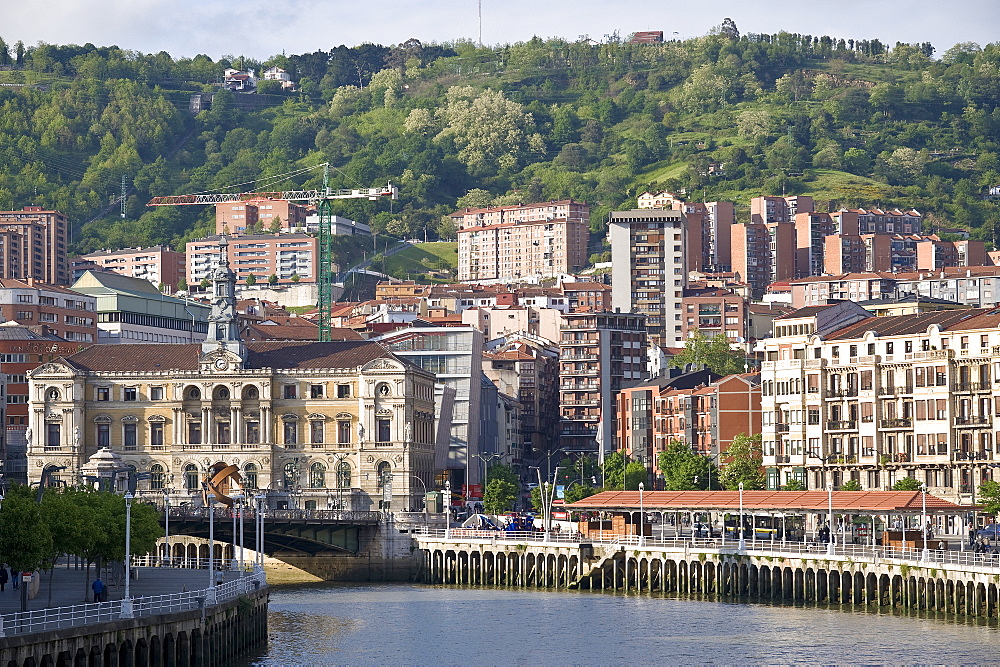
x,y
856,253
699,409
847,396
934,254
707,223
527,368
587,297
763,253
661,199
50,309
771,210
649,271
508,243
33,245
977,286
158,264
291,257
598,354
714,312
237,218
878,221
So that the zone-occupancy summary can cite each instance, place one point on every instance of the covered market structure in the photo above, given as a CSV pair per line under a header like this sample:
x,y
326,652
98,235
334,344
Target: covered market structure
x,y
896,518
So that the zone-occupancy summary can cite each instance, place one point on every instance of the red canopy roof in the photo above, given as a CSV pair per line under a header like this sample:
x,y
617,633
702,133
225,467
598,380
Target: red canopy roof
x,y
847,502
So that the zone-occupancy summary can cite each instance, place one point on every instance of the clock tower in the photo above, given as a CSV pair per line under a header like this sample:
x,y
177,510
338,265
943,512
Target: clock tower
x,y
223,323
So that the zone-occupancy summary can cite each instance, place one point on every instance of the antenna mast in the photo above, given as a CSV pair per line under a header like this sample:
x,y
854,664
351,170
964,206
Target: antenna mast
x,y
480,23
124,193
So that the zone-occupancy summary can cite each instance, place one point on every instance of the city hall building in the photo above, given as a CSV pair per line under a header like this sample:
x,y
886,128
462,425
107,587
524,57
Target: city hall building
x,y
312,425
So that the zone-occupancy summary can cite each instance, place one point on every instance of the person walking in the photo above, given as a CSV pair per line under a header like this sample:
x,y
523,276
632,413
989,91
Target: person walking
x,y
3,578
99,588
15,579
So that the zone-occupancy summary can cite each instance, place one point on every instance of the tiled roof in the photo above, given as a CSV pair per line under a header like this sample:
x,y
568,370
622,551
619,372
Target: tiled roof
x,y
802,501
262,354
902,325
808,311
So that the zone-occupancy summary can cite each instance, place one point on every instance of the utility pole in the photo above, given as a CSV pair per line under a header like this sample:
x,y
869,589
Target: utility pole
x,y
124,193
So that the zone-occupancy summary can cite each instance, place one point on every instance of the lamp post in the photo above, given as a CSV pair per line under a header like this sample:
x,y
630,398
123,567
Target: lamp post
x,y
426,517
447,509
166,524
925,554
210,598
259,525
642,517
238,498
829,519
127,601
743,543
486,458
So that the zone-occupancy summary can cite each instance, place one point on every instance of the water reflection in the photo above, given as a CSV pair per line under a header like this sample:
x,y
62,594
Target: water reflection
x,y
411,624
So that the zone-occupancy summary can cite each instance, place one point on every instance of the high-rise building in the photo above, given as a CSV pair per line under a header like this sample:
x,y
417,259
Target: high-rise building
x,y
598,354
648,270
260,214
291,258
33,245
763,253
769,209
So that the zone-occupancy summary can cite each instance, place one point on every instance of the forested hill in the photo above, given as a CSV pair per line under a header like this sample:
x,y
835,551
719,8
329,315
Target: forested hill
x,y
724,116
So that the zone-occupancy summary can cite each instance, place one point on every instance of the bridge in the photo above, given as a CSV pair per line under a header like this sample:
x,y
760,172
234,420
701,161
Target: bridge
x,y
299,532
955,582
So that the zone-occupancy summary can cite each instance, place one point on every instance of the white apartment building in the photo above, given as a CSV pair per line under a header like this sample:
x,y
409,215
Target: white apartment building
x,y
847,396
649,271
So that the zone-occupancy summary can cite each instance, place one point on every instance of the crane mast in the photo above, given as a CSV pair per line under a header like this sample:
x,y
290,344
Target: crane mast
x,y
323,199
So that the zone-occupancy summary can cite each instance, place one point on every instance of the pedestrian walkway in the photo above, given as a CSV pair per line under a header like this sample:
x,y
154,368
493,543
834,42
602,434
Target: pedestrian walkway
x,y
71,586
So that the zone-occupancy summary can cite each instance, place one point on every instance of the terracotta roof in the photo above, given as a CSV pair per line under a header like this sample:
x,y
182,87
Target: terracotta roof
x,y
808,311
262,354
778,501
914,324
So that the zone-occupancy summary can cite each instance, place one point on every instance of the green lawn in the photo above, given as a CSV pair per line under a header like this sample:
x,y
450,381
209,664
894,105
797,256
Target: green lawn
x,y
423,257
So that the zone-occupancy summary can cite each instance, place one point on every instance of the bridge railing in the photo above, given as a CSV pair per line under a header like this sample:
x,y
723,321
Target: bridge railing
x,y
729,545
182,563
41,620
320,515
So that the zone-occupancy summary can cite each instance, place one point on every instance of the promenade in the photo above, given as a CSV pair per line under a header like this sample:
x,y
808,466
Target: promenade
x,y
70,586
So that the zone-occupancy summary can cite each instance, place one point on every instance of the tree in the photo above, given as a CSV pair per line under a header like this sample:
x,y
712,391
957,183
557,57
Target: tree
x,y
499,496
712,353
616,468
989,496
251,280
729,29
685,470
272,280
182,285
745,464
25,540
275,225
205,283
578,492
793,484
906,484
851,485
295,278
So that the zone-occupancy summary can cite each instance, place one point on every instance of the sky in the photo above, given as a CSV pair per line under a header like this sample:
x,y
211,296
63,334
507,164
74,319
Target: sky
x,y
261,28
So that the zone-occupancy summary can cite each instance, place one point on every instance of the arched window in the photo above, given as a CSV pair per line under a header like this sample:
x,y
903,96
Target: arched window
x,y
193,394
250,476
191,477
344,475
291,471
317,476
251,393
156,477
51,475
384,474
221,393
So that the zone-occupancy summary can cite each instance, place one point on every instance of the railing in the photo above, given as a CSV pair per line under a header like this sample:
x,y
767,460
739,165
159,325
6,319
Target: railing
x,y
971,421
328,515
41,620
729,544
842,425
896,423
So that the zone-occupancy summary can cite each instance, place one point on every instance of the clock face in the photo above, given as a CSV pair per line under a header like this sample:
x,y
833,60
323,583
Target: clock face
x,y
221,364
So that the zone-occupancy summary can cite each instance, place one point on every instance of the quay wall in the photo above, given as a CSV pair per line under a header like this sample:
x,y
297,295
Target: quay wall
x,y
221,635
724,572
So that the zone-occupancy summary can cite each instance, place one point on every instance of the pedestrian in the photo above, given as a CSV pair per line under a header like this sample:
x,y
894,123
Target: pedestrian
x,y
3,578
15,579
99,589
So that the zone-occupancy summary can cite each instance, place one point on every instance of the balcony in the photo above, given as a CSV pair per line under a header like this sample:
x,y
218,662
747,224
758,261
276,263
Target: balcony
x,y
928,354
972,422
982,455
967,387
781,428
842,393
896,423
842,425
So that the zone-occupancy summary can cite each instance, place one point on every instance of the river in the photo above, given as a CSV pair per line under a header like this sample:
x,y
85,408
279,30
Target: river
x,y
323,624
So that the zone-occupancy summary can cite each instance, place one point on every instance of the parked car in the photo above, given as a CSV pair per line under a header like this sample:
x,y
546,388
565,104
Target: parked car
x,y
990,532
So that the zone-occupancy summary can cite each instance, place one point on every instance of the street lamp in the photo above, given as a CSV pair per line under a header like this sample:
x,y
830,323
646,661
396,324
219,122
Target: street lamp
x,y
829,520
238,499
426,517
166,524
127,602
447,509
210,598
486,458
925,554
642,517
259,525
743,543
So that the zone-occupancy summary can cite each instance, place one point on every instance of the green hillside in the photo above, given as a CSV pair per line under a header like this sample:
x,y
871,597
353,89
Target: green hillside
x,y
723,116
440,258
